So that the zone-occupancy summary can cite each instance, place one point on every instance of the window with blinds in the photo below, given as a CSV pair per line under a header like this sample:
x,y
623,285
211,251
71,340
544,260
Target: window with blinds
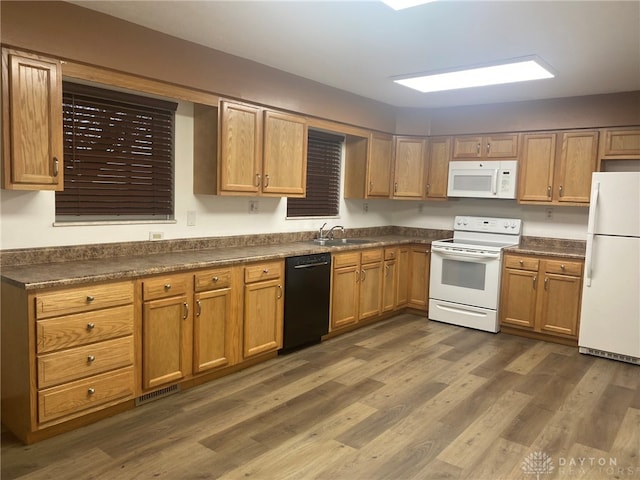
x,y
118,156
324,156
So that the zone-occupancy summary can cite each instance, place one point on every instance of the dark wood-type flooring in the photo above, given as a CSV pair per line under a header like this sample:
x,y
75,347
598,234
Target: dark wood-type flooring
x,y
403,399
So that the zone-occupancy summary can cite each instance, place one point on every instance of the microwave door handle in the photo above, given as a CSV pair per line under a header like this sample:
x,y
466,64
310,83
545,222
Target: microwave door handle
x,y
494,182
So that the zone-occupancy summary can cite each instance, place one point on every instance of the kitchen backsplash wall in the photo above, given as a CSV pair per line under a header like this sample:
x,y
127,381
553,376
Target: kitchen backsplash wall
x,y
27,217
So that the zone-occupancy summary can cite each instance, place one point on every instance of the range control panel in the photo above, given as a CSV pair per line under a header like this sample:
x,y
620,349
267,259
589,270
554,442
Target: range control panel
x,y
488,224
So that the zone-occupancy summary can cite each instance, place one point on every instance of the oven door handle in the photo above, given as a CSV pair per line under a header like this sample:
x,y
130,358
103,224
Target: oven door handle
x,y
465,255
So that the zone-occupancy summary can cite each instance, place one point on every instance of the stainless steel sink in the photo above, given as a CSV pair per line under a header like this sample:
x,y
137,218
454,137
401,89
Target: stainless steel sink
x,y
336,242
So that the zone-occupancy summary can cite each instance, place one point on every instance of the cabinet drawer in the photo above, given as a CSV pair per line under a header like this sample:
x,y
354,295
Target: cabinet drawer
x,y
370,256
346,259
84,328
390,253
212,279
82,299
161,287
563,267
521,263
67,365
262,271
84,394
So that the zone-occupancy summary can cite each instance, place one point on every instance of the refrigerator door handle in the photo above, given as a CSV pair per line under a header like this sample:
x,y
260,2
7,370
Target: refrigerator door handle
x,y
588,267
593,206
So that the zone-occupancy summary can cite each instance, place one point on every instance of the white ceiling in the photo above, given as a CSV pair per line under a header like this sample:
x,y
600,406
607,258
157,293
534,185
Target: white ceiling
x,y
358,45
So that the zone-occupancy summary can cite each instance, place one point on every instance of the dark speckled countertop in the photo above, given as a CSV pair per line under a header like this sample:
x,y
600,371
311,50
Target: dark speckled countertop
x,y
57,267
550,247
46,275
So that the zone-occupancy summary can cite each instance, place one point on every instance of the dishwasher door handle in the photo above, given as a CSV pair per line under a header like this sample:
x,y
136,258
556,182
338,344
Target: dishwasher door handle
x,y
309,265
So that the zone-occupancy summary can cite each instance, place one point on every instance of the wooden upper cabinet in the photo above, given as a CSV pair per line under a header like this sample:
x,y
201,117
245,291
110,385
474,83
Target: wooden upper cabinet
x,y
485,147
380,156
438,167
577,161
240,153
284,168
32,122
619,144
409,167
556,167
537,162
262,152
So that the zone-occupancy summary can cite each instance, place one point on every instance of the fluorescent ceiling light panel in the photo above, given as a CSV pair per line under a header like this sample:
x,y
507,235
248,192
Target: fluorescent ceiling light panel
x,y
518,71
402,4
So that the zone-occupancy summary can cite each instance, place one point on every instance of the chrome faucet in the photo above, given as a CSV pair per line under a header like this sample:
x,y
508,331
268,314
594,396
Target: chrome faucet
x,y
340,227
321,233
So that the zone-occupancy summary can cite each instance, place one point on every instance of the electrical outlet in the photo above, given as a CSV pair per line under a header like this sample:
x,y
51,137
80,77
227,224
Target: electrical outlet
x,y
253,206
365,207
156,236
549,213
191,218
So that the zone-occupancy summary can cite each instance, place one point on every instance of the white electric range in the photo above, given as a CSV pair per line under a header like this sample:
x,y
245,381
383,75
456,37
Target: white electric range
x,y
465,274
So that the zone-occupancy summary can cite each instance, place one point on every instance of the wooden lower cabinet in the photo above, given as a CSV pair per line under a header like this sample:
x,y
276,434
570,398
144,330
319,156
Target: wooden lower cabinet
x,y
356,286
540,296
263,308
390,280
66,353
419,263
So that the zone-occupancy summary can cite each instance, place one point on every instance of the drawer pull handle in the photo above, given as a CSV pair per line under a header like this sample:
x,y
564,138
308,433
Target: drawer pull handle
x,y
56,166
91,391
279,292
167,286
186,310
266,270
91,358
90,298
546,282
363,275
215,279
199,309
266,181
91,326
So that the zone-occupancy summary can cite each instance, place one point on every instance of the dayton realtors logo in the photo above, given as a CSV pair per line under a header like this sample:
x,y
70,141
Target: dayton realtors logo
x,y
537,463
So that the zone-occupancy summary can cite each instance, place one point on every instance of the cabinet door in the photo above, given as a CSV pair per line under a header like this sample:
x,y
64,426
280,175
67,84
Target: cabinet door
x,y
537,167
166,344
285,155
576,164
560,304
379,165
409,167
501,146
211,330
263,317
402,292
438,167
620,143
32,117
240,153
389,285
370,290
344,297
467,147
518,298
419,281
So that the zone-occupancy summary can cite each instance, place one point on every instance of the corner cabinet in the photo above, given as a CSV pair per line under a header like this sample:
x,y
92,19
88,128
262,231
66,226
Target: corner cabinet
x,y
556,167
32,122
261,151
540,297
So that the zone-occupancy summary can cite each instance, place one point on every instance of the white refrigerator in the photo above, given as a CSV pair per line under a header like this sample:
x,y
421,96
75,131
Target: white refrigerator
x,y
610,313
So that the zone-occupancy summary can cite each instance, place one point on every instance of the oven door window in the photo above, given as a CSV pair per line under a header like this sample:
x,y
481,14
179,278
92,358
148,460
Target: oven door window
x,y
464,274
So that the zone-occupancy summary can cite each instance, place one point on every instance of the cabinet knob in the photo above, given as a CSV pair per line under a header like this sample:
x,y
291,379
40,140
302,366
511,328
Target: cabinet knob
x,y
90,298
266,270
562,266
91,391
215,279
521,262
167,286
91,358
91,326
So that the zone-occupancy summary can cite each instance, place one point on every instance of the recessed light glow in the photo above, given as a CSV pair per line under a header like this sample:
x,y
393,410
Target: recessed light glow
x,y
519,71
402,4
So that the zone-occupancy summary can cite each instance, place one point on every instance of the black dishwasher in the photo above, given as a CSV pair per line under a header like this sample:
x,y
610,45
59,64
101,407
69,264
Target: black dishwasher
x,y
307,285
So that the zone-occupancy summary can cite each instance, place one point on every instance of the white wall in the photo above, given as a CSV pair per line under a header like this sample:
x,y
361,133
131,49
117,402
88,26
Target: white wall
x,y
27,217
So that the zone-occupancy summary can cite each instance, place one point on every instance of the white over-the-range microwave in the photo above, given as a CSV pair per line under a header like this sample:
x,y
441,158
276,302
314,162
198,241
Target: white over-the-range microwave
x,y
483,179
